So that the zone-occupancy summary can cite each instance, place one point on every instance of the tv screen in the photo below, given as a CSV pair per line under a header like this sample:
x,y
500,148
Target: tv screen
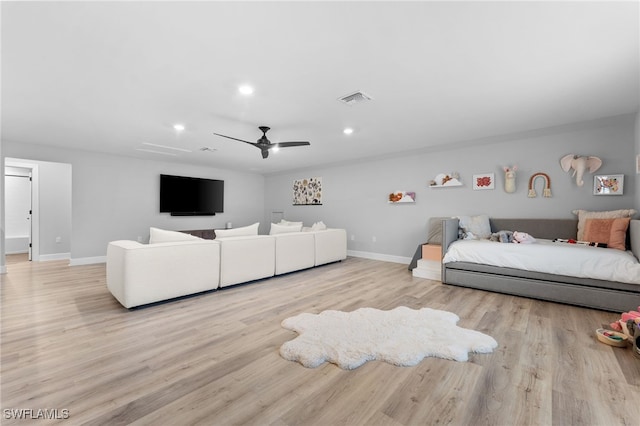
x,y
188,196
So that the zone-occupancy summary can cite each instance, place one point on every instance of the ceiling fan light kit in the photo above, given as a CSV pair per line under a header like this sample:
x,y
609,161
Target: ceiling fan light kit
x,y
265,144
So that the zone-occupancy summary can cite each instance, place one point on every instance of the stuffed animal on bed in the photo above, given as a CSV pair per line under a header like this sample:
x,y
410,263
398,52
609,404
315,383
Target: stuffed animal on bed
x,y
502,237
523,238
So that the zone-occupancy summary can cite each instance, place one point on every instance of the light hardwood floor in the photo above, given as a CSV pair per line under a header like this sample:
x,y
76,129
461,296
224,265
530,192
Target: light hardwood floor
x,y
213,359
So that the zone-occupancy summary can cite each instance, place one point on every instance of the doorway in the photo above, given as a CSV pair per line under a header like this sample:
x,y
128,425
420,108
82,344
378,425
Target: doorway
x,y
19,211
51,190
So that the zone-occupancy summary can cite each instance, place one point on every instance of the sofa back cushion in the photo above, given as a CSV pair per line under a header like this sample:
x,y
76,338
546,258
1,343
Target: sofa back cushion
x,y
157,235
283,229
238,232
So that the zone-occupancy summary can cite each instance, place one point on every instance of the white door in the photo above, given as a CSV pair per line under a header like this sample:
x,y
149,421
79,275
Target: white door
x,y
18,213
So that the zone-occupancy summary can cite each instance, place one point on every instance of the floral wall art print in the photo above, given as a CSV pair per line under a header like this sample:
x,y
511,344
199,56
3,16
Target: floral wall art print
x,y
307,192
484,181
608,185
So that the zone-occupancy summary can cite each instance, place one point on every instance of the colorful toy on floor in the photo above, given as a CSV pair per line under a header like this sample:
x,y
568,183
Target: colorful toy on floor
x,y
622,324
612,338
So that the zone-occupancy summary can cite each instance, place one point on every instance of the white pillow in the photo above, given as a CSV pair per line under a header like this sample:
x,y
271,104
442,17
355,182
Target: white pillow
x,y
238,232
283,229
318,226
583,215
286,222
475,227
157,235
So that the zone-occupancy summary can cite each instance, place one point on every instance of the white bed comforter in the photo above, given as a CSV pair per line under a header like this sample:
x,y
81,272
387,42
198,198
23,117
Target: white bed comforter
x,y
549,257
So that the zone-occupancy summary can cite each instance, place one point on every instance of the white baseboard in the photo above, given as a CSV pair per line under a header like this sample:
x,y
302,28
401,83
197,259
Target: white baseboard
x,y
379,256
88,260
17,252
3,269
54,256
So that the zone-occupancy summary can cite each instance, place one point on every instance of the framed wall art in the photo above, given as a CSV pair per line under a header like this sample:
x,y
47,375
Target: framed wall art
x,y
307,192
608,184
484,181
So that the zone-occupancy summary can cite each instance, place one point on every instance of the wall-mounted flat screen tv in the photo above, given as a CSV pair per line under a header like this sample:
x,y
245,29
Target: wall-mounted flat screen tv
x,y
189,196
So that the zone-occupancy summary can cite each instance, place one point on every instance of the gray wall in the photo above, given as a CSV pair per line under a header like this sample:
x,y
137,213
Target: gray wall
x,y
355,195
118,197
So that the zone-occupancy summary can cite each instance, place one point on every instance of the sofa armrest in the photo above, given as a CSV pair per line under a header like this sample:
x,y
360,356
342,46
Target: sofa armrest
x,y
449,235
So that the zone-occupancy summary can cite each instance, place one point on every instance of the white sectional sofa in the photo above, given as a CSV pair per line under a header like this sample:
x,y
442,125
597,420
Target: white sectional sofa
x,y
139,274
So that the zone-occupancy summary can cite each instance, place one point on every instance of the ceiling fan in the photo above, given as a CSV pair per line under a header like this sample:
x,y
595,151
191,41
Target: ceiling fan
x,y
265,144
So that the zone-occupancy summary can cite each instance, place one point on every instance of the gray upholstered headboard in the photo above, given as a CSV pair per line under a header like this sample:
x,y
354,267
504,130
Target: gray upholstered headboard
x,y
540,228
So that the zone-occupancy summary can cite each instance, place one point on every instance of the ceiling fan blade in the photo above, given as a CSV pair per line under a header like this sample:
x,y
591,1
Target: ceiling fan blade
x,y
264,144
236,139
287,144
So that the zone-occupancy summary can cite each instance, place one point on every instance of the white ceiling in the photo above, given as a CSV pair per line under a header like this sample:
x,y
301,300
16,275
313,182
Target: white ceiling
x,y
110,76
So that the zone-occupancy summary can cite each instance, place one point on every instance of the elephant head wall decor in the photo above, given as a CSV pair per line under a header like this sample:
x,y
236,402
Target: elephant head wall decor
x,y
579,164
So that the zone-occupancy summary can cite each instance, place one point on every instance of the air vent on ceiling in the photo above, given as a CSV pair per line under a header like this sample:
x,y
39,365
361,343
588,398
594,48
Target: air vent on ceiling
x,y
355,98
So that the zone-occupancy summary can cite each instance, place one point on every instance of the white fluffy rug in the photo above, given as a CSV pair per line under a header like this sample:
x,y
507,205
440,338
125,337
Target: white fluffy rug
x,y
401,336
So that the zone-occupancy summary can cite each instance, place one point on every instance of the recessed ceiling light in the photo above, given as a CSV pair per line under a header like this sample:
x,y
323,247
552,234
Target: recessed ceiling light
x,y
245,89
178,127
347,131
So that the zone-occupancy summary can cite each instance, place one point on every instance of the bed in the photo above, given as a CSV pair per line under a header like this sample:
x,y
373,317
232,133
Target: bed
x,y
617,289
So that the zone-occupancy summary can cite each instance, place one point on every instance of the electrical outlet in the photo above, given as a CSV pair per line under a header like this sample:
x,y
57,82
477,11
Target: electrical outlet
x,y
373,239
353,238
58,240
